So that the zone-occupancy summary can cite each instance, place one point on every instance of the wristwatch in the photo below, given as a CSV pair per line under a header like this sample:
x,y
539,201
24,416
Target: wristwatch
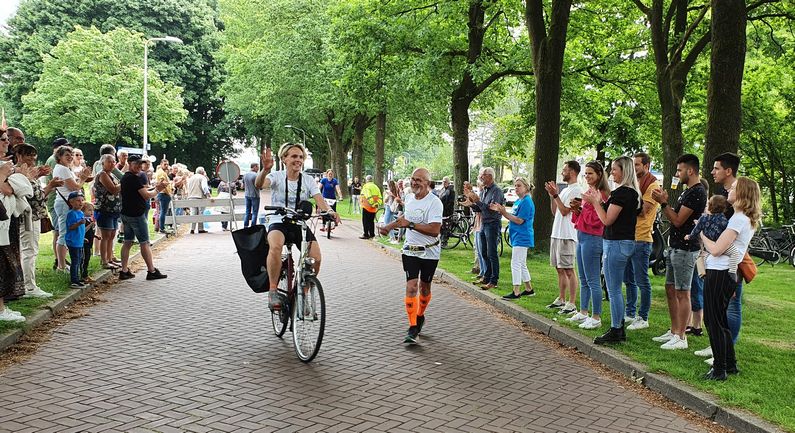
x,y
411,226
663,205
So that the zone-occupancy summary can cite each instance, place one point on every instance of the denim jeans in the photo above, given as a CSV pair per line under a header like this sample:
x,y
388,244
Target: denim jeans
x,y
735,312
696,292
637,277
163,200
488,250
589,268
76,256
616,257
388,217
252,209
481,261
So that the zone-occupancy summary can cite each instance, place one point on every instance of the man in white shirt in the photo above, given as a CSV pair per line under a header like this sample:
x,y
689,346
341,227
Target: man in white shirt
x,y
563,246
421,250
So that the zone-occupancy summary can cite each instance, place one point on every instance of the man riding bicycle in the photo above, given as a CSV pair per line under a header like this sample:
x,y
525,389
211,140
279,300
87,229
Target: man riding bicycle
x,y
288,188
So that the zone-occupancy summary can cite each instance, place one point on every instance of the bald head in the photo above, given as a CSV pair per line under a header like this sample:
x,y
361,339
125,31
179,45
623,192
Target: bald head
x,y
15,137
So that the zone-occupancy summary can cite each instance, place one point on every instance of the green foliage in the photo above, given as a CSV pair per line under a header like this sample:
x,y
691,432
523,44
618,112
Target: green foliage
x,y
90,89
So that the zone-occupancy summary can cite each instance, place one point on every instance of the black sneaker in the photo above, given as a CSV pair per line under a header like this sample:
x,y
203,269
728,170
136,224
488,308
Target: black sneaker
x,y
511,296
530,292
696,332
420,322
155,275
614,335
126,275
411,336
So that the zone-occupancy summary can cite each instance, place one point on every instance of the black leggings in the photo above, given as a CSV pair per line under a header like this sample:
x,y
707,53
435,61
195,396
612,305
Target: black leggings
x,y
718,290
368,223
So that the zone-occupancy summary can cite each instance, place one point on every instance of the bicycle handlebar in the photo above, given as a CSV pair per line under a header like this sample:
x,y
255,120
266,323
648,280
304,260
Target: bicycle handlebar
x,y
281,210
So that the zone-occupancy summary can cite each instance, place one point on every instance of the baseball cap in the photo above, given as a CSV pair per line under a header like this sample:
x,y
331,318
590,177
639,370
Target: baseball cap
x,y
134,158
75,194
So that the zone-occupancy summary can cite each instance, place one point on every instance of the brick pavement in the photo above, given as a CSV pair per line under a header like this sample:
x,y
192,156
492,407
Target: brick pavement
x,y
195,353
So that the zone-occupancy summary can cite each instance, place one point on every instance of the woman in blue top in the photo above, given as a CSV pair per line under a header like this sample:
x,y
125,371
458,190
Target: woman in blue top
x,y
520,226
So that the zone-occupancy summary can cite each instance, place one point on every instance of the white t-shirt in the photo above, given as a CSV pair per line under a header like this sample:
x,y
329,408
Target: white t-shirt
x,y
424,211
63,172
309,189
741,225
562,227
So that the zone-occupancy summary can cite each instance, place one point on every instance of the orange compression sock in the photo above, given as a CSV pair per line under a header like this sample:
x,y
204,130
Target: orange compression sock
x,y
424,301
411,310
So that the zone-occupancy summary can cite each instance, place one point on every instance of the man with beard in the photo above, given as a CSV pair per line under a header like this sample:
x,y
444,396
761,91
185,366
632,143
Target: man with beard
x,y
421,250
682,254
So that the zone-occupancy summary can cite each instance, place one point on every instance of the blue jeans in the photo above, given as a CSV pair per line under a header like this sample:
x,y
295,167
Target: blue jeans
x,y
76,256
735,312
637,277
617,255
388,217
252,209
696,292
481,261
163,200
589,268
488,250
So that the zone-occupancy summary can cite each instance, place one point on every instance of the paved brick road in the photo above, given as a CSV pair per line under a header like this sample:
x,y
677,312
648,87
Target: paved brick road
x,y
195,353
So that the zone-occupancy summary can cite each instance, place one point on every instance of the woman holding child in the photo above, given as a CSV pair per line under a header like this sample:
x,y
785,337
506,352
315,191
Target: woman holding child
x,y
719,285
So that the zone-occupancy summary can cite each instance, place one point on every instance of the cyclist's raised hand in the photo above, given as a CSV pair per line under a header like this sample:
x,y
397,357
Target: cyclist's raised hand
x,y
267,159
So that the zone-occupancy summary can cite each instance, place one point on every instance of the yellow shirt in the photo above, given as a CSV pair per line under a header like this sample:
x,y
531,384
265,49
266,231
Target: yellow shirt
x,y
645,222
162,175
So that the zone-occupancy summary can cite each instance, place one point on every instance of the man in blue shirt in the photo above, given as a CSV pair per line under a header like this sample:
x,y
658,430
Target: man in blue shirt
x,y
251,195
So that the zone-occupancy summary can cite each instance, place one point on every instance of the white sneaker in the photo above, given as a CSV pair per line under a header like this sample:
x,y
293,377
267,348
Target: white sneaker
x,y
579,317
638,323
707,353
590,323
9,315
709,361
628,320
664,338
37,293
568,308
556,304
675,343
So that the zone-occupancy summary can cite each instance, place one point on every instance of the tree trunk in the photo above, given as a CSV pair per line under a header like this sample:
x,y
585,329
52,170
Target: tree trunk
x,y
724,107
360,124
380,145
339,153
548,50
459,114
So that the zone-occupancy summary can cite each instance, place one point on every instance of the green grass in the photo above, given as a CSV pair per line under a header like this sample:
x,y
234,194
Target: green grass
x,y
51,281
765,351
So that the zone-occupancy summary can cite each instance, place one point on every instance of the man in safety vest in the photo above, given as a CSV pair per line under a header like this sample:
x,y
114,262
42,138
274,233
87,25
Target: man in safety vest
x,y
371,200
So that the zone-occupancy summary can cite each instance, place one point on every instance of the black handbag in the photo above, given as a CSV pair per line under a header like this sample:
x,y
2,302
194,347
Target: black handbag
x,y
252,249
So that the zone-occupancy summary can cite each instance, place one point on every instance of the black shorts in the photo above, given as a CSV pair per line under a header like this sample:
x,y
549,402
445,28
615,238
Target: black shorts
x,y
292,233
417,267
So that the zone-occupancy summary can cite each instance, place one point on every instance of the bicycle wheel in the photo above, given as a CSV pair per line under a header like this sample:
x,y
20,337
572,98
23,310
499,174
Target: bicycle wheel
x,y
507,236
792,257
309,319
500,241
328,229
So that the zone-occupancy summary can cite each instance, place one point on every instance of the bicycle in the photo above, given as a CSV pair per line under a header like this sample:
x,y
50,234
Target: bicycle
x,y
773,245
328,222
455,229
303,310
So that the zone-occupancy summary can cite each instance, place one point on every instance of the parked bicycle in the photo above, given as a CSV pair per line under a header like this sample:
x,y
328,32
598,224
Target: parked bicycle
x,y
304,309
456,228
773,245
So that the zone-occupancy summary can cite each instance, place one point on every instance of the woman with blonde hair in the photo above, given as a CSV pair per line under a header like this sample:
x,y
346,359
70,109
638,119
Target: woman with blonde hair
x,y
619,214
520,228
718,284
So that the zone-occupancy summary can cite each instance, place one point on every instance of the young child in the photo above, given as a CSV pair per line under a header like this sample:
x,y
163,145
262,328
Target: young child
x,y
75,236
712,223
88,245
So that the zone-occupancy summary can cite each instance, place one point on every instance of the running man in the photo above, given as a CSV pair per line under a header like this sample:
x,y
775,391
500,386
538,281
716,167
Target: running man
x,y
421,250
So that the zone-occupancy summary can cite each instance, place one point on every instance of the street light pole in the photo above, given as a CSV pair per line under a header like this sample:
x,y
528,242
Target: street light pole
x,y
145,143
303,133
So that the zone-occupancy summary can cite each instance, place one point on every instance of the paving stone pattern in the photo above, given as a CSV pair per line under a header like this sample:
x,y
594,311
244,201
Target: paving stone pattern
x,y
195,352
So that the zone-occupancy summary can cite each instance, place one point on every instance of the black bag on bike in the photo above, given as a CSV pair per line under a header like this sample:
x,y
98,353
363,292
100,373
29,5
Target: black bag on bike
x,y
252,249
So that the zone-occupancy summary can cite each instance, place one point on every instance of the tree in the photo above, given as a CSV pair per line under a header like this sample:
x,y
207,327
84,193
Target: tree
x,y
548,47
40,24
90,90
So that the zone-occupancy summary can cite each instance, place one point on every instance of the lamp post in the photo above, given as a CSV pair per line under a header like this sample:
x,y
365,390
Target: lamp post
x,y
303,133
146,85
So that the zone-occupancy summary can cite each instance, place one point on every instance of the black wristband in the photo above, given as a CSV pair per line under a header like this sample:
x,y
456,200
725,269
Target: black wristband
x,y
663,205
554,197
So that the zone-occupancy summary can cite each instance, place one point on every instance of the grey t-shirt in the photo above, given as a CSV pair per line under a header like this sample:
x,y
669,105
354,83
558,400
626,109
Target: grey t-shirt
x,y
277,178
248,183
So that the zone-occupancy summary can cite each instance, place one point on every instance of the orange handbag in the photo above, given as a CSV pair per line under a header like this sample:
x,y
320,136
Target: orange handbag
x,y
747,268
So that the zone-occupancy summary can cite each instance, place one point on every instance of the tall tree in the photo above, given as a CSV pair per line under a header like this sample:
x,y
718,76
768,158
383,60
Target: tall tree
x,y
548,48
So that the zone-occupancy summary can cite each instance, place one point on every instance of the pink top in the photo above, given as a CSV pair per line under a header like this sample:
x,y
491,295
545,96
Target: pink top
x,y
588,220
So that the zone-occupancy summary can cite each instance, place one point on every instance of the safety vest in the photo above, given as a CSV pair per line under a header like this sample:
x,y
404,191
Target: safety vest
x,y
371,198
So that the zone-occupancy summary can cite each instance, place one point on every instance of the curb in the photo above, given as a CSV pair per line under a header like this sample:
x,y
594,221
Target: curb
x,y
679,392
46,311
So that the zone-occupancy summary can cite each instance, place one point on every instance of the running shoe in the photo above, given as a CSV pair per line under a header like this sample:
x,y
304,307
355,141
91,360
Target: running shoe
x,y
557,303
420,322
411,336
